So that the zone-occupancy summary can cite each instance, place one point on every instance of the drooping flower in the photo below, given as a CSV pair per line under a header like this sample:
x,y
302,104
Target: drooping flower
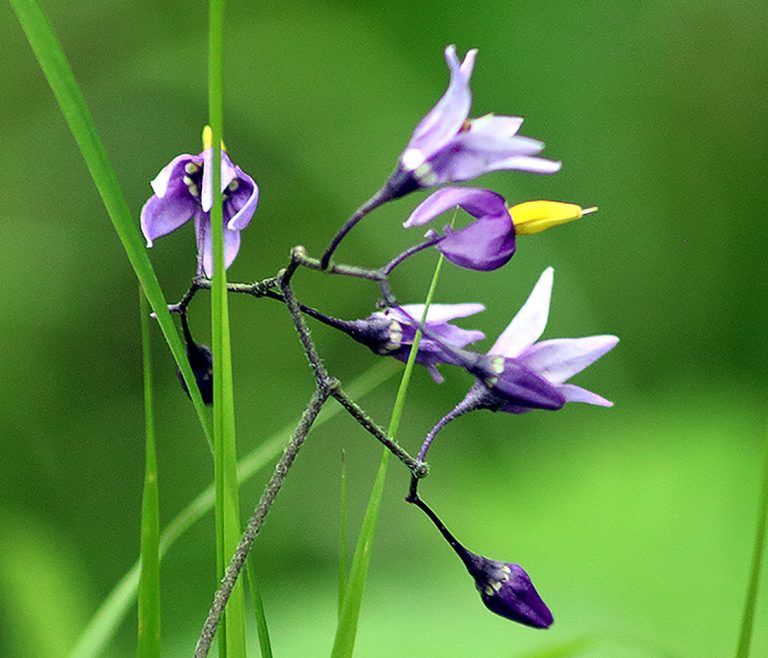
x,y
488,242
519,374
446,147
183,191
392,332
505,588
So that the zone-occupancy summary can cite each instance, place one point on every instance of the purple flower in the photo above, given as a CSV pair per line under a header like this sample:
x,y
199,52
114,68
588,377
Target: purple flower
x,y
447,147
519,374
489,241
183,190
391,332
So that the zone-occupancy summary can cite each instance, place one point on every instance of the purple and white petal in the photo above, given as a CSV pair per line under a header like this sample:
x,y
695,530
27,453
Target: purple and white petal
x,y
483,245
478,202
496,125
241,202
529,323
530,164
438,313
446,117
227,176
205,245
524,387
577,394
436,375
456,336
174,172
160,216
470,155
560,359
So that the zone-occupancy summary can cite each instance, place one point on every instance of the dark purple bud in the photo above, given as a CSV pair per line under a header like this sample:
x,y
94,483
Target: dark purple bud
x,y
507,590
200,360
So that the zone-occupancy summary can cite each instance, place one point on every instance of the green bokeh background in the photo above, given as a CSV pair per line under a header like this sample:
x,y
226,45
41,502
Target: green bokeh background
x,y
636,523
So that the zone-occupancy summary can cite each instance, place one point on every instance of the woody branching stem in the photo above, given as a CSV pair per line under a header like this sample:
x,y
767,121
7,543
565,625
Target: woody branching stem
x,y
326,386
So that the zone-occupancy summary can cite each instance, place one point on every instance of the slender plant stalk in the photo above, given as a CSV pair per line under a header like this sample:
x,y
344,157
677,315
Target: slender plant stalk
x,y
342,530
149,578
346,630
225,450
255,522
748,619
61,79
262,630
105,622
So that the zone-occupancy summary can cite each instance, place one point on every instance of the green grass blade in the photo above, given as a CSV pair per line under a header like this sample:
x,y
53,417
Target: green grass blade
x,y
748,618
62,81
262,630
225,450
149,578
346,631
343,531
114,609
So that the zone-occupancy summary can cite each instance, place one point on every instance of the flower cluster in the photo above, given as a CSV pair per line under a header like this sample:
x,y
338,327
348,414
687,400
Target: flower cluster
x,y
519,373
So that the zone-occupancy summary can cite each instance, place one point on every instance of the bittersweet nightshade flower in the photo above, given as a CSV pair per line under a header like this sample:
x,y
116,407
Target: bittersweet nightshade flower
x,y
391,332
519,374
447,147
183,191
489,241
505,588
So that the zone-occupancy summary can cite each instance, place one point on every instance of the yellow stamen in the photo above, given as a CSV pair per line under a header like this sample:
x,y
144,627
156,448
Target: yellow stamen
x,y
536,216
208,139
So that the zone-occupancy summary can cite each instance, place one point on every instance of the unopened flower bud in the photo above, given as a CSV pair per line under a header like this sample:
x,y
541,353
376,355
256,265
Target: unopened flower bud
x,y
200,360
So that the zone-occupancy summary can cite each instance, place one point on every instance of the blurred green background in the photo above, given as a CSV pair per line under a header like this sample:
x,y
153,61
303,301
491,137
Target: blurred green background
x,y
636,523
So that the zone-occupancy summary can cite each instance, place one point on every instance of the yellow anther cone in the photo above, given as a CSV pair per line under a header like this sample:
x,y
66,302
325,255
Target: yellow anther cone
x,y
208,139
536,216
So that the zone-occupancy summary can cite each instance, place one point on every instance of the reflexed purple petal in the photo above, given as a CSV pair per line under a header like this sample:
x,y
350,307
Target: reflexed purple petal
x,y
496,126
173,172
485,244
470,155
533,165
456,336
560,359
529,323
477,202
577,394
231,246
438,313
435,374
485,144
446,118
241,203
227,176
161,216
